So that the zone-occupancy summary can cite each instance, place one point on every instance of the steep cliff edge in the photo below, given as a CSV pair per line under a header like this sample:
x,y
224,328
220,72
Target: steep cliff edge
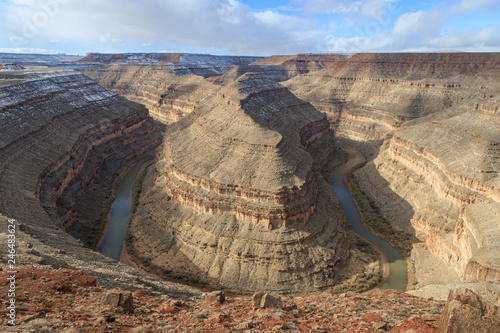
x,y
170,84
64,141
167,96
236,198
431,124
181,64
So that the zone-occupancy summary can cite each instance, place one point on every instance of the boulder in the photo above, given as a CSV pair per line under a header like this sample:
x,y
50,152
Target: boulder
x,y
262,300
468,312
121,299
216,297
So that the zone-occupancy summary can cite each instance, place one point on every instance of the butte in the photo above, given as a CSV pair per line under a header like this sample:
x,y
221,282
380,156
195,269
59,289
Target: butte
x,y
237,198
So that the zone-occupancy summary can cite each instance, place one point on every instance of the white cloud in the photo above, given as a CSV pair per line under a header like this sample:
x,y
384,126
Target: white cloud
x,y
419,23
229,26
25,50
470,40
109,38
467,6
368,8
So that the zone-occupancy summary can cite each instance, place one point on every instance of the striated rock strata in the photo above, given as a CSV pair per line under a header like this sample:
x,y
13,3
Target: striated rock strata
x,y
64,139
431,123
168,97
166,84
181,64
281,68
236,197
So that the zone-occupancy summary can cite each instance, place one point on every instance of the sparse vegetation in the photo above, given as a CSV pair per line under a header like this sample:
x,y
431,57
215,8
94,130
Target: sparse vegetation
x,y
202,315
373,219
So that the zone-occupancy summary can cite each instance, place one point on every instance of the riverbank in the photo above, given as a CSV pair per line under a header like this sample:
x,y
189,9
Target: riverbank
x,y
393,264
113,234
107,214
136,191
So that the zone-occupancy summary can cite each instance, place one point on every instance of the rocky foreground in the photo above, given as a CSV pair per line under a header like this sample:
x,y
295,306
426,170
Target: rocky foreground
x,y
66,300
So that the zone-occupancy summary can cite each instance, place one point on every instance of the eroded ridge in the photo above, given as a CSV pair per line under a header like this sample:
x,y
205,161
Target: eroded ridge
x,y
168,97
64,141
237,199
431,124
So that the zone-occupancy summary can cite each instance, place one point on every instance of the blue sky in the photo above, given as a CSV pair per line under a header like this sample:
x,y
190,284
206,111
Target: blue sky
x,y
246,27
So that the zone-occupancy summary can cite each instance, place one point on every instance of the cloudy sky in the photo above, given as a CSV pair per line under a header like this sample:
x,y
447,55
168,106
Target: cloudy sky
x,y
247,27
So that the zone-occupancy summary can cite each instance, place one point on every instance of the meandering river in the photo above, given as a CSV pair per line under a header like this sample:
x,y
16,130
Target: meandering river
x,y
393,264
120,212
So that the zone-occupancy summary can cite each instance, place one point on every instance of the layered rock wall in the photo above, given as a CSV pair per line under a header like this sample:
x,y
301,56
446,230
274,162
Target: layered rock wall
x,y
236,198
64,141
168,97
431,123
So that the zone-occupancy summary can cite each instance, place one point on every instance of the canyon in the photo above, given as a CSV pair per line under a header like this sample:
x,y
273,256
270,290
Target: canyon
x,y
428,124
254,211
64,142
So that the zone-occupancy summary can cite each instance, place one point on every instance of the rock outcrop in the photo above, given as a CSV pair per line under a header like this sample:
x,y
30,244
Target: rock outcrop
x,y
468,312
431,124
179,63
237,198
168,97
64,142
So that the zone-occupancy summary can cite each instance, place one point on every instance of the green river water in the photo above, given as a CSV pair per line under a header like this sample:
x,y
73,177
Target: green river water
x,y
395,272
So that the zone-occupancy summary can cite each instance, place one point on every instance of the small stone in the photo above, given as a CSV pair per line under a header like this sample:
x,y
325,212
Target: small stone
x,y
245,326
119,299
269,301
256,299
179,303
216,297
380,325
290,307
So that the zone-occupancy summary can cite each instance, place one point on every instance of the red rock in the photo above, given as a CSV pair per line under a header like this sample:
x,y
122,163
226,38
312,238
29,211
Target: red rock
x,y
272,323
304,327
170,309
372,318
417,325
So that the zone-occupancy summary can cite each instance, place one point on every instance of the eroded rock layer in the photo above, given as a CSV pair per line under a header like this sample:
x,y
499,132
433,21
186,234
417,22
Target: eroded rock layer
x,y
168,97
432,124
64,141
181,64
237,199
166,84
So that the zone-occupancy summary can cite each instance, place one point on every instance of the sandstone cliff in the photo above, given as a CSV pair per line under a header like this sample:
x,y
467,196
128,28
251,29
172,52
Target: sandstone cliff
x,y
64,141
236,197
179,63
281,68
167,96
432,125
